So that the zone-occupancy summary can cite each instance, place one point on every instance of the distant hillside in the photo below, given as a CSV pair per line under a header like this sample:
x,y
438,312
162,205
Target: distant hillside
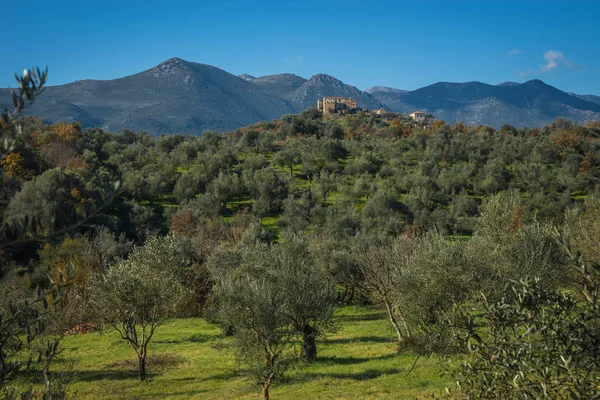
x,y
302,93
322,85
281,84
174,96
588,97
178,96
532,103
384,89
508,84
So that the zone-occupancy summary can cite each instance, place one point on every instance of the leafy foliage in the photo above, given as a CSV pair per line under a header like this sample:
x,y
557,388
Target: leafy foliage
x,y
136,296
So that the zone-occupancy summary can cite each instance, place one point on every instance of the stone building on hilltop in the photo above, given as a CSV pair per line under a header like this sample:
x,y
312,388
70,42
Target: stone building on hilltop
x,y
335,105
418,116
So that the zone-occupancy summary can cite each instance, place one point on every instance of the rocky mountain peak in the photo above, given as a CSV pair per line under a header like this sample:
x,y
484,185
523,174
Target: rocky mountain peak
x,y
247,77
508,83
170,67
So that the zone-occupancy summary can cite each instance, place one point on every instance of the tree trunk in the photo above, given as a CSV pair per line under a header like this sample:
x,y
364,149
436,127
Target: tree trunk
x,y
393,320
310,345
265,389
47,383
142,367
343,296
291,170
351,298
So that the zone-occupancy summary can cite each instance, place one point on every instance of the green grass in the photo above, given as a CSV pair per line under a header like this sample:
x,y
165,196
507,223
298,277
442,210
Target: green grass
x,y
270,224
333,197
240,204
578,195
163,200
191,359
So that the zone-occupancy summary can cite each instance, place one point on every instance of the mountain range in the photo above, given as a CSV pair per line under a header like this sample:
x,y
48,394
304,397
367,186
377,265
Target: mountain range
x,y
178,96
533,103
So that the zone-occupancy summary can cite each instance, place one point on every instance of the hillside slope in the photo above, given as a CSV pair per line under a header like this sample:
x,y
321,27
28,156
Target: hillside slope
x,y
321,85
532,103
175,96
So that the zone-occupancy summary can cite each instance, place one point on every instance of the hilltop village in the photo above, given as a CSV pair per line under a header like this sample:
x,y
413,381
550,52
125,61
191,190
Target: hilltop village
x,y
341,105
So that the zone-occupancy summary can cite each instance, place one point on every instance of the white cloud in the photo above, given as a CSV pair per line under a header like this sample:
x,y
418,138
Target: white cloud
x,y
554,59
514,53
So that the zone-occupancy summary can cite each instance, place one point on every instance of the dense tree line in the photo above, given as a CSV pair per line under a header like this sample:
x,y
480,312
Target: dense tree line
x,y
266,230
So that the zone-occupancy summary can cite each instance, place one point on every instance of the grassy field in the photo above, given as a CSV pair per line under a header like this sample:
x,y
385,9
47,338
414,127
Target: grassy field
x,y
191,359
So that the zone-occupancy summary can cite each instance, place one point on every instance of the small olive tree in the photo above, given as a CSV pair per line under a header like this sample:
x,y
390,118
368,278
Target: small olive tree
x,y
253,305
308,291
136,296
272,297
381,265
510,249
419,279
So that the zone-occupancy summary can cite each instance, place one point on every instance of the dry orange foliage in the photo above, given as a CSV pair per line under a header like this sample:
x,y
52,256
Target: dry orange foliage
x,y
516,221
35,137
411,230
349,134
561,123
76,163
588,162
459,127
434,126
66,132
592,124
565,138
13,164
185,224
71,255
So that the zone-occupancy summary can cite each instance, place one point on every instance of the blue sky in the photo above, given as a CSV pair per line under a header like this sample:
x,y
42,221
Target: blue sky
x,y
400,44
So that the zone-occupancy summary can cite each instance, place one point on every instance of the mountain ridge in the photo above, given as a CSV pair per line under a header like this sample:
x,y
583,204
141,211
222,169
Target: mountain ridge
x,y
532,103
178,96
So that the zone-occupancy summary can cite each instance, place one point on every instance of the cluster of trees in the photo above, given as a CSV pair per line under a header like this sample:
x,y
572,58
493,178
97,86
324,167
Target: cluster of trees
x,y
268,229
306,173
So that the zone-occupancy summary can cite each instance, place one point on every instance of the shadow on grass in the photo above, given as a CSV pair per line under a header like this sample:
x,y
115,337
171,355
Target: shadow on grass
x,y
361,339
127,368
197,338
96,375
218,377
370,316
352,360
358,376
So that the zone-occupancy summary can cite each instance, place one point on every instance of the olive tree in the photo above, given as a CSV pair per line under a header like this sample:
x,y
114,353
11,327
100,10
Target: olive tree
x,y
32,324
509,248
534,343
418,279
288,157
253,305
272,297
308,291
381,265
31,84
136,296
